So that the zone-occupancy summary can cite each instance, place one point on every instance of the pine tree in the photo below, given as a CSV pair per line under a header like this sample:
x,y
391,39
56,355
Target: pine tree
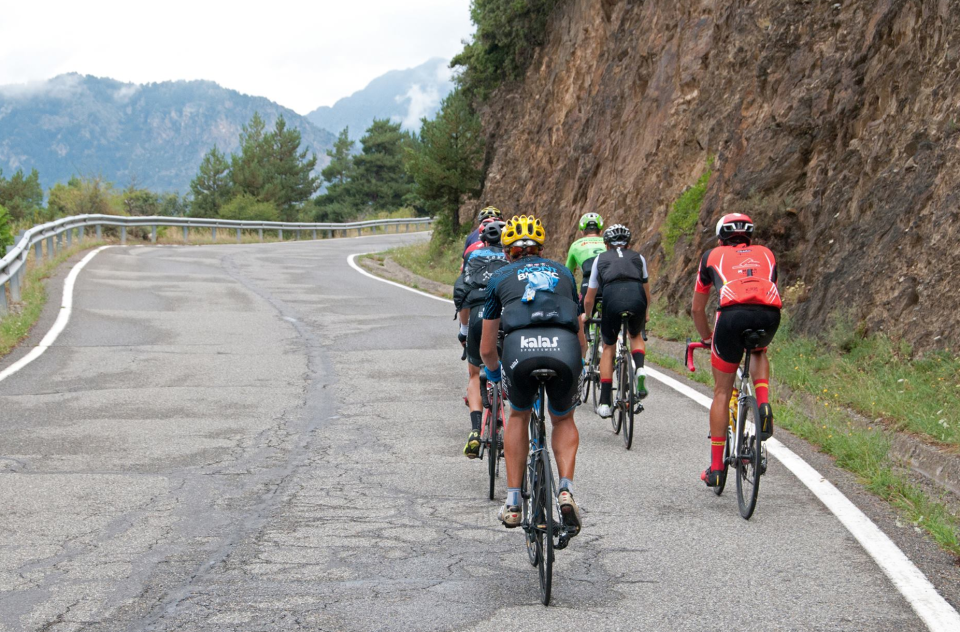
x,y
248,169
289,181
380,181
447,163
21,195
212,187
341,160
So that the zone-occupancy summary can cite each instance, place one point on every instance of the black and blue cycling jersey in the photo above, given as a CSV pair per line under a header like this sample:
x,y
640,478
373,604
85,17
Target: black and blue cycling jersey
x,y
533,292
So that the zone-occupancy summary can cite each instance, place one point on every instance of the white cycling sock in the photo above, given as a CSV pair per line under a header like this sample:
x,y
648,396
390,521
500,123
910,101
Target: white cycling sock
x,y
566,484
513,496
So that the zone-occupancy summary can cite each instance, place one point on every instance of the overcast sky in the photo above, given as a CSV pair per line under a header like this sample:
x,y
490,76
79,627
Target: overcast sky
x,y
301,54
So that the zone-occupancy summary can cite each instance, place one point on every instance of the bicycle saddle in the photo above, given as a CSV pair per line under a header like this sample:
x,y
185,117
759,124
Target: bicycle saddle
x,y
543,374
751,338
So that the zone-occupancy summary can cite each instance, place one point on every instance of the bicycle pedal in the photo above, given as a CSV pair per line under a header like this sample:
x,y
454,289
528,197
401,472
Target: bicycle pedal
x,y
638,408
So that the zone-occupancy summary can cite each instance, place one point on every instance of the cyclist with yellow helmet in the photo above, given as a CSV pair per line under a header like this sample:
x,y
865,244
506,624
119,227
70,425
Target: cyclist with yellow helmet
x,y
535,301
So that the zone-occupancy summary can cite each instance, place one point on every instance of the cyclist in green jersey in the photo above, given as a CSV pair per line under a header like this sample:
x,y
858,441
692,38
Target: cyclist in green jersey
x,y
584,250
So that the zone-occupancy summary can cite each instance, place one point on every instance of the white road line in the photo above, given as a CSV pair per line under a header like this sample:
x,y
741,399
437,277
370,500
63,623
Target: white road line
x,y
353,264
929,605
66,307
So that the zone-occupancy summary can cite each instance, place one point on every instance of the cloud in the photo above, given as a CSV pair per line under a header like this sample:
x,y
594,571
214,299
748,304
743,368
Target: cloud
x,y
422,103
62,87
125,93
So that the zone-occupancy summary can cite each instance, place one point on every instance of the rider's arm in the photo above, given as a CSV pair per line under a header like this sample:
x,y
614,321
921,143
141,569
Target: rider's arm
x,y
589,299
488,343
572,261
699,313
465,316
646,290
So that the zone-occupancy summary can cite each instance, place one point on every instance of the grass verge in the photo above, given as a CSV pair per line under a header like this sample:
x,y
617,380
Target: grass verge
x,y
22,316
865,453
440,263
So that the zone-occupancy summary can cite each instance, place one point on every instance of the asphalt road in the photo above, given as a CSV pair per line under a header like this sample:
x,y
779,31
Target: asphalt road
x,y
259,438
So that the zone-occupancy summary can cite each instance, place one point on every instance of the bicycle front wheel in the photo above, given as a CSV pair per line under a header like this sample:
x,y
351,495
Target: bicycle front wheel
x,y
748,456
496,428
629,398
616,419
543,524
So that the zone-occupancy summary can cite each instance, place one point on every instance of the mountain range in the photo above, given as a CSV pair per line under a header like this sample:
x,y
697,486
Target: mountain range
x,y
403,96
156,134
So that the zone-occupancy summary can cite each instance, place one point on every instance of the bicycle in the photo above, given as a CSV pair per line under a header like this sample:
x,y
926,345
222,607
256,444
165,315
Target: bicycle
x,y
491,432
540,522
627,403
744,447
591,369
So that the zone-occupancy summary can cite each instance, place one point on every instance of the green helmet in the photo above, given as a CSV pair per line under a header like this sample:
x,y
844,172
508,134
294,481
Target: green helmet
x,y
591,219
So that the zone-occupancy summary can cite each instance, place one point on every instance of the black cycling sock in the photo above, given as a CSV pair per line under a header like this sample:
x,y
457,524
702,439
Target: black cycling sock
x,y
476,417
638,358
606,391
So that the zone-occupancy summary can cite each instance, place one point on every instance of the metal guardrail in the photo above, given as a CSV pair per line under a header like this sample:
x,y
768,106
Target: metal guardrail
x,y
12,266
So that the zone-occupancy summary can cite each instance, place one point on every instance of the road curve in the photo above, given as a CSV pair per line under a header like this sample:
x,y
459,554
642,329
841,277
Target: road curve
x,y
259,438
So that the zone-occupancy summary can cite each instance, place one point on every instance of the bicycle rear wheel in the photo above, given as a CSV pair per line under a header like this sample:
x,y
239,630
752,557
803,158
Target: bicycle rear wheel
x,y
543,525
748,459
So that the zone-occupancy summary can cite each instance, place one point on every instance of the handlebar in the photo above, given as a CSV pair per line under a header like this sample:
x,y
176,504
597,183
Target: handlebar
x,y
688,356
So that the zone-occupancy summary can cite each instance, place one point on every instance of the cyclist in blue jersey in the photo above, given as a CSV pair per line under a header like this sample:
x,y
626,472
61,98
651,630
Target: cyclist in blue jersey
x,y
536,303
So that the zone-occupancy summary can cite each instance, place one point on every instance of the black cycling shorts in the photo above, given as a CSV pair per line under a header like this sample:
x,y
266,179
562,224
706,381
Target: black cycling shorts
x,y
731,323
475,325
525,350
617,299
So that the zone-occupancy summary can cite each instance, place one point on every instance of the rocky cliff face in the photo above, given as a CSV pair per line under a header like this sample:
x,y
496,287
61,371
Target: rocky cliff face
x,y
836,125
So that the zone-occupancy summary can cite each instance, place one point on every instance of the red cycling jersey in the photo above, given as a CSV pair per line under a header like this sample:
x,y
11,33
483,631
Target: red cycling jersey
x,y
743,275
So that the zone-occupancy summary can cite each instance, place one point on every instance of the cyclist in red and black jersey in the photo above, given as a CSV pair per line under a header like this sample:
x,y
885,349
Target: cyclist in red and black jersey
x,y
745,276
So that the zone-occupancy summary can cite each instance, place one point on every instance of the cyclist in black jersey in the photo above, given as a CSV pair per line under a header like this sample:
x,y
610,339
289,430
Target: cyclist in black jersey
x,y
469,295
534,300
621,275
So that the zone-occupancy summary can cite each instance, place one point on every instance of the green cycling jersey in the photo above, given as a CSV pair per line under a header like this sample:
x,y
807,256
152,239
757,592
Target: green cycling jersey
x,y
583,250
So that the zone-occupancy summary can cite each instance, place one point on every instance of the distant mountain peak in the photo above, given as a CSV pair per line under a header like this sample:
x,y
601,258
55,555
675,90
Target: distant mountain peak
x,y
157,133
403,96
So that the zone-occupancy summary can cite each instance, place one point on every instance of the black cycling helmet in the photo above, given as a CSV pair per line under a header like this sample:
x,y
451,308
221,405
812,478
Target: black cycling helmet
x,y
617,235
490,231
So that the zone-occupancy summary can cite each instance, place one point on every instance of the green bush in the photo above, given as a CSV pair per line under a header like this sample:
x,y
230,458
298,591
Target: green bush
x,y
683,217
248,208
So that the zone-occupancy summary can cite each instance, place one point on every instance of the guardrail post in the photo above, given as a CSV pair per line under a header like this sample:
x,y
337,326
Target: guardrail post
x,y
81,233
59,241
69,237
280,234
14,283
38,251
314,233
213,231
186,234
99,232
298,234
153,234
123,235
238,235
260,231
3,299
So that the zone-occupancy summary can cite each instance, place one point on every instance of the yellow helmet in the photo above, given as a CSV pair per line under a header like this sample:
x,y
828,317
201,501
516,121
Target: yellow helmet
x,y
490,211
524,227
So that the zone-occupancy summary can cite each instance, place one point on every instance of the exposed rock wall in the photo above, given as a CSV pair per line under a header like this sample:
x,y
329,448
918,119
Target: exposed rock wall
x,y
835,124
